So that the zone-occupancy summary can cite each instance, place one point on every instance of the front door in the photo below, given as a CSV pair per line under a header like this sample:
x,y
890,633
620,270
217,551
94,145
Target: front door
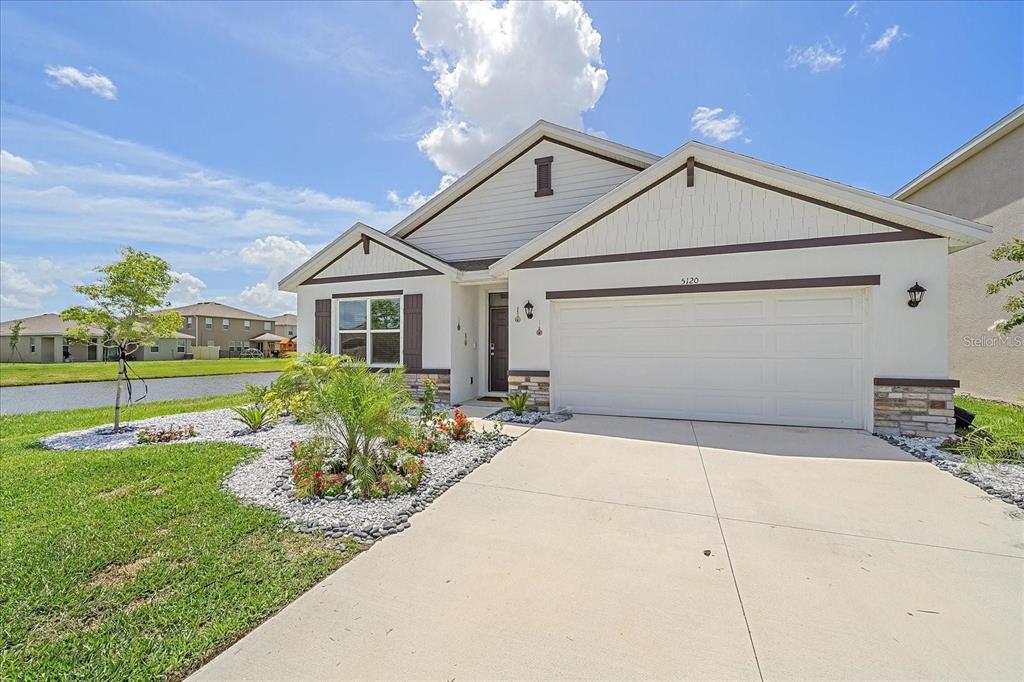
x,y
498,342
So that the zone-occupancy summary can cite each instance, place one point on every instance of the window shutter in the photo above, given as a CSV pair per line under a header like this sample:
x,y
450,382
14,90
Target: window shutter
x,y
544,177
412,331
322,324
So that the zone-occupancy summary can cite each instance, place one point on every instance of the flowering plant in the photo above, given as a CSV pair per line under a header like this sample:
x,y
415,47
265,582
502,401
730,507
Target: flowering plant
x,y
168,435
458,426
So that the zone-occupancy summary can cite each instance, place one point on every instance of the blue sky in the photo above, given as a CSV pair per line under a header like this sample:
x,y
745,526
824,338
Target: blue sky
x,y
235,139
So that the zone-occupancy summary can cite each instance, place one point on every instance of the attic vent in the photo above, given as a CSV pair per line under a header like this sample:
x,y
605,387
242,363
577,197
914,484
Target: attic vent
x,y
544,177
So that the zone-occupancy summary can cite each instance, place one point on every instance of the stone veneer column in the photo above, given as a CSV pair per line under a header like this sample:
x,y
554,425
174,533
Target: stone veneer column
x,y
915,407
415,380
535,382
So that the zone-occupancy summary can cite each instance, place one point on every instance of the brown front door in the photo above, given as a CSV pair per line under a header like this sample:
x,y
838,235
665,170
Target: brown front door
x,y
498,348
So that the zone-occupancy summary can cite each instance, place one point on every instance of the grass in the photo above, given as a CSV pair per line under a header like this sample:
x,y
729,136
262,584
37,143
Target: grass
x,y
134,564
27,373
1005,421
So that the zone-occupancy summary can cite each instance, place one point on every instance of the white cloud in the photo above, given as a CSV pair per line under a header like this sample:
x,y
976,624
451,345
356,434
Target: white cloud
x,y
93,81
853,10
15,165
279,256
885,41
711,124
498,68
817,58
23,291
187,290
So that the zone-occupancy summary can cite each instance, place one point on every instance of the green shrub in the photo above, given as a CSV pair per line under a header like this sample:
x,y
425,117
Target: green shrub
x,y
516,402
980,445
255,417
291,392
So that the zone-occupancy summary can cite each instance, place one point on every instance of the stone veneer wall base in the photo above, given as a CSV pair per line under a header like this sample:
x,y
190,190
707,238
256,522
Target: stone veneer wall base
x,y
909,409
416,381
537,385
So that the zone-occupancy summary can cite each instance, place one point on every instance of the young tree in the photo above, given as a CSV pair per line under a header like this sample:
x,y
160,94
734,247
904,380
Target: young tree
x,y
1012,251
15,339
125,305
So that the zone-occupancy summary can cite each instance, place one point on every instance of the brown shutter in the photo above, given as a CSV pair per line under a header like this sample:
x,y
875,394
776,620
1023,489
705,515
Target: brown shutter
x,y
412,331
322,324
544,176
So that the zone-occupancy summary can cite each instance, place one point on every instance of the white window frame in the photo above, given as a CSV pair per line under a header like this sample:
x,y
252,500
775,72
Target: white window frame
x,y
155,348
225,323
188,322
338,331
208,323
268,326
181,346
247,324
31,344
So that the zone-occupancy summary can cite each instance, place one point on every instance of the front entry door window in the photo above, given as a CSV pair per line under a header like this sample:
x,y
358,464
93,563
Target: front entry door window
x,y
498,341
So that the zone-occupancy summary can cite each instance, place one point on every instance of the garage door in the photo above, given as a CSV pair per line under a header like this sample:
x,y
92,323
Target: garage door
x,y
790,357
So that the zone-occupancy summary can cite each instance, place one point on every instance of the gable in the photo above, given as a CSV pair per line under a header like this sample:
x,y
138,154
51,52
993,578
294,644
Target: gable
x,y
501,213
355,263
719,210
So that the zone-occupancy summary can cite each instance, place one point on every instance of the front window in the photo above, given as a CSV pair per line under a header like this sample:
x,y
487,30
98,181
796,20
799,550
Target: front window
x,y
225,323
188,322
370,329
181,345
209,323
247,324
155,348
268,326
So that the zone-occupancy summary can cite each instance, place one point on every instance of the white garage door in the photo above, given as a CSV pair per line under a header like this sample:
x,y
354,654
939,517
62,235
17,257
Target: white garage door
x,y
790,357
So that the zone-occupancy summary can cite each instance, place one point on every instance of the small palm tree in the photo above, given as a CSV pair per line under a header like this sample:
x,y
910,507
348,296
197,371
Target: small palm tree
x,y
361,411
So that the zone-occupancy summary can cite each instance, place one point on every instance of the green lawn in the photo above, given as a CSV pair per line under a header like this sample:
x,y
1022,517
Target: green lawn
x,y
134,564
1006,421
25,373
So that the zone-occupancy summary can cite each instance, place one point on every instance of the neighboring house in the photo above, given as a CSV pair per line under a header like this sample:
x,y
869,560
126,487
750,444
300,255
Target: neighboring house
x,y
702,285
286,327
984,181
230,329
42,340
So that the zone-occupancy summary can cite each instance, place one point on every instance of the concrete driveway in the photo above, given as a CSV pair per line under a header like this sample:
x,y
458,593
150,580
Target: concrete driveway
x,y
635,548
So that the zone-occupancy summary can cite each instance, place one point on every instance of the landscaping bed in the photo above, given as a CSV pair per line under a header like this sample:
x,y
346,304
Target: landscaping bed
x,y
267,479
529,418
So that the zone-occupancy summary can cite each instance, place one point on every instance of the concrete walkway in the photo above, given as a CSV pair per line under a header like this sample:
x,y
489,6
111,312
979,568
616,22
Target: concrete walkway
x,y
633,548
22,399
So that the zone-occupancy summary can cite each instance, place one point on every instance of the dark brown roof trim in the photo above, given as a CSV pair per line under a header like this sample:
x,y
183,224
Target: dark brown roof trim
x,y
366,245
469,265
818,202
917,234
394,250
543,138
355,294
940,383
780,245
376,275
529,372
756,285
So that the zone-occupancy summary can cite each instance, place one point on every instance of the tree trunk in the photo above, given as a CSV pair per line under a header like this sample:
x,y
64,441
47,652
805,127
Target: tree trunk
x,y
117,398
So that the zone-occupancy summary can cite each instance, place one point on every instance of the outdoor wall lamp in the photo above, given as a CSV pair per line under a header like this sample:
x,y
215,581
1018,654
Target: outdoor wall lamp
x,y
916,293
529,310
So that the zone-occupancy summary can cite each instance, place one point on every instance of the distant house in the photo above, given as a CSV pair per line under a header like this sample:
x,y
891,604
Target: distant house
x,y
286,326
233,330
984,181
42,340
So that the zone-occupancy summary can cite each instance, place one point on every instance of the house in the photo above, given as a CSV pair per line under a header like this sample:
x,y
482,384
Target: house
x,y
42,340
984,181
702,285
286,326
222,326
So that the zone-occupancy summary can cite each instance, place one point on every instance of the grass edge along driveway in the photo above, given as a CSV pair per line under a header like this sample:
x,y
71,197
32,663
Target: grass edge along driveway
x,y
135,563
30,374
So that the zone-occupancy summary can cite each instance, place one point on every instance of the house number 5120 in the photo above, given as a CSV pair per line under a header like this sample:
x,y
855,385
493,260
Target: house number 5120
x,y
691,280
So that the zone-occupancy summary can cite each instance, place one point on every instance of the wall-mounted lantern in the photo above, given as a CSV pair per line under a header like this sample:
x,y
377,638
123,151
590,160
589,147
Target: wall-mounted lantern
x,y
529,310
916,293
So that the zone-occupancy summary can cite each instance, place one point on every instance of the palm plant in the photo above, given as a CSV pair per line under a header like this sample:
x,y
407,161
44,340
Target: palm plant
x,y
291,391
362,411
516,402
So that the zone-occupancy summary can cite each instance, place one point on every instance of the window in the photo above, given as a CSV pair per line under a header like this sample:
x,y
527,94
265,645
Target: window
x,y
31,344
181,346
225,323
370,329
291,332
544,177
247,324
188,322
209,323
66,350
268,326
154,348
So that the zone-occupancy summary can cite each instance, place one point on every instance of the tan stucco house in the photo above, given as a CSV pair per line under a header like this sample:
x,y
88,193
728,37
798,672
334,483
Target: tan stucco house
x,y
983,181
42,340
607,280
230,329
